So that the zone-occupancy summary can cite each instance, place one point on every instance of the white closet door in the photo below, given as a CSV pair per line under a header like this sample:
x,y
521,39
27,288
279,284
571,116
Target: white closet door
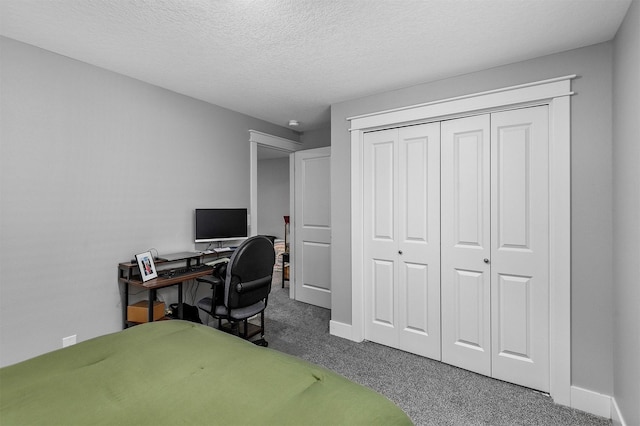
x,y
495,245
380,236
466,247
401,231
520,247
419,240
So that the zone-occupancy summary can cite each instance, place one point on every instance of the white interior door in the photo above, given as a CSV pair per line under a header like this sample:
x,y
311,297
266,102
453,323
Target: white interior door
x,y
520,247
466,246
402,238
312,227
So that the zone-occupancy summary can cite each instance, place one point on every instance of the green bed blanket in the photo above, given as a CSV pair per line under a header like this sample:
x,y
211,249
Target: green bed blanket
x,y
181,373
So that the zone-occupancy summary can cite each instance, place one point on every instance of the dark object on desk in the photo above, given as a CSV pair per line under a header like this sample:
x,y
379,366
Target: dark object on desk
x,y
179,272
189,312
179,256
166,372
243,290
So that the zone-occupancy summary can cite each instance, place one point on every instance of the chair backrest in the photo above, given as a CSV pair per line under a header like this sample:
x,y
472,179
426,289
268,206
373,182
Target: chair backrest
x,y
249,273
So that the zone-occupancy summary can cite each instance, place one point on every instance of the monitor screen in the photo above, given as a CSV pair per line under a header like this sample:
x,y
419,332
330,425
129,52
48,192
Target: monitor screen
x,y
220,224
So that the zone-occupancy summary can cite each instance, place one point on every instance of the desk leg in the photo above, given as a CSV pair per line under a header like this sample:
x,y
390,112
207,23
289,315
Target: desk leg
x,y
152,297
180,313
126,304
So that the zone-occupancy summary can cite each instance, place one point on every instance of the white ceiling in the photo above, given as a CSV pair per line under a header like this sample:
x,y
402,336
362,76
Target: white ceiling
x,y
291,59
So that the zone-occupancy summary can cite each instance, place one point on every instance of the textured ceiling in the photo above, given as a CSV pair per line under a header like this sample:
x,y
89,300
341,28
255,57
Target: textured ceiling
x,y
279,60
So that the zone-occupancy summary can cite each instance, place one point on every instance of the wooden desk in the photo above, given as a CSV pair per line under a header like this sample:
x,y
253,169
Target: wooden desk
x,y
129,275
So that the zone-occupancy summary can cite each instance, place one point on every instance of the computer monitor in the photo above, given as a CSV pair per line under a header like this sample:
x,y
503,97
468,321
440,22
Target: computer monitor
x,y
220,225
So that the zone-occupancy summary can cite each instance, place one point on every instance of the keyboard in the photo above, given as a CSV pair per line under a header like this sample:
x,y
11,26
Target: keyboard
x,y
217,261
224,249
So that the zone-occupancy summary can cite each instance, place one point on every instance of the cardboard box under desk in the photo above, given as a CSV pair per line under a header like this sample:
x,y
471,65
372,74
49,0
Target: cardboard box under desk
x,y
139,312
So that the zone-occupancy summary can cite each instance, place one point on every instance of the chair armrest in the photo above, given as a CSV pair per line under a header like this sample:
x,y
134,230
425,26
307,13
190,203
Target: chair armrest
x,y
252,285
220,271
217,287
214,281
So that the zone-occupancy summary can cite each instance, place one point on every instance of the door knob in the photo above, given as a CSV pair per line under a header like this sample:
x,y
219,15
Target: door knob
x,y
486,260
399,251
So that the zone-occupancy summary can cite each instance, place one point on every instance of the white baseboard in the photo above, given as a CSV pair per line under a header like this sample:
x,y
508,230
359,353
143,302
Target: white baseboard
x,y
616,415
591,402
340,329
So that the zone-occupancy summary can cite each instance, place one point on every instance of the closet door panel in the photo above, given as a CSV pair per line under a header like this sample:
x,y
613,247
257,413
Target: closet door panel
x,y
470,307
465,215
419,239
415,318
520,252
383,312
383,200
380,236
513,295
469,176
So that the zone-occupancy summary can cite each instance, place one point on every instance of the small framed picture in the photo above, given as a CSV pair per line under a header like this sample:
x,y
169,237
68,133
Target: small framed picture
x,y
147,267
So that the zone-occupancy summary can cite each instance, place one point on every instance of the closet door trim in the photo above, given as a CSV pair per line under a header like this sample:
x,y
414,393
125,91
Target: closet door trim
x,y
556,94
448,108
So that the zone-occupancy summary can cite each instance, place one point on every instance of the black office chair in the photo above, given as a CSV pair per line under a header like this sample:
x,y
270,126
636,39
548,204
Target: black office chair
x,y
241,288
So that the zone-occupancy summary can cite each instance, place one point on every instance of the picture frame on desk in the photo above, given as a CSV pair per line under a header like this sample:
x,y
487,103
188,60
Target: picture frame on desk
x,y
148,269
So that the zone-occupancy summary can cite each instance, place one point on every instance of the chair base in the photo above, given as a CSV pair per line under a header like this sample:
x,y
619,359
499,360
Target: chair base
x,y
237,329
243,329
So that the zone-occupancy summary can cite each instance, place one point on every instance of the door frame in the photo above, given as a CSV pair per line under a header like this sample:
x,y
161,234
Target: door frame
x,y
556,93
256,139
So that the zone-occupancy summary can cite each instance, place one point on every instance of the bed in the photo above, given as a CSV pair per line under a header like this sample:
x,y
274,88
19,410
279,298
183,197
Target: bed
x,y
177,372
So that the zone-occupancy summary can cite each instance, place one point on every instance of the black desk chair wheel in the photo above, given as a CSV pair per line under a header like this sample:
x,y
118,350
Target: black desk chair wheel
x,y
241,289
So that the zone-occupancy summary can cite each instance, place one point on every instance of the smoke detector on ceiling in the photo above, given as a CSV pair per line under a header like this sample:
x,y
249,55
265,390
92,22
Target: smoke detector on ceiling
x,y
294,123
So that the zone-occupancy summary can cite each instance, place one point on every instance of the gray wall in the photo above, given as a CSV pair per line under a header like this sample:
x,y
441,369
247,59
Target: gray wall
x,y
316,138
273,196
591,174
626,216
94,168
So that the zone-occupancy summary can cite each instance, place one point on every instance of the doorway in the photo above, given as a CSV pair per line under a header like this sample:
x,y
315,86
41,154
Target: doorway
x,y
265,146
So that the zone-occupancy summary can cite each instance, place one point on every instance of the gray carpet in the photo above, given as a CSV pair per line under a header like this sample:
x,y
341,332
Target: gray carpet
x,y
430,392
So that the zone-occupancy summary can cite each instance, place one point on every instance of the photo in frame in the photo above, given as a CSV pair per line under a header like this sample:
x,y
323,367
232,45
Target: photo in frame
x,y
147,267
